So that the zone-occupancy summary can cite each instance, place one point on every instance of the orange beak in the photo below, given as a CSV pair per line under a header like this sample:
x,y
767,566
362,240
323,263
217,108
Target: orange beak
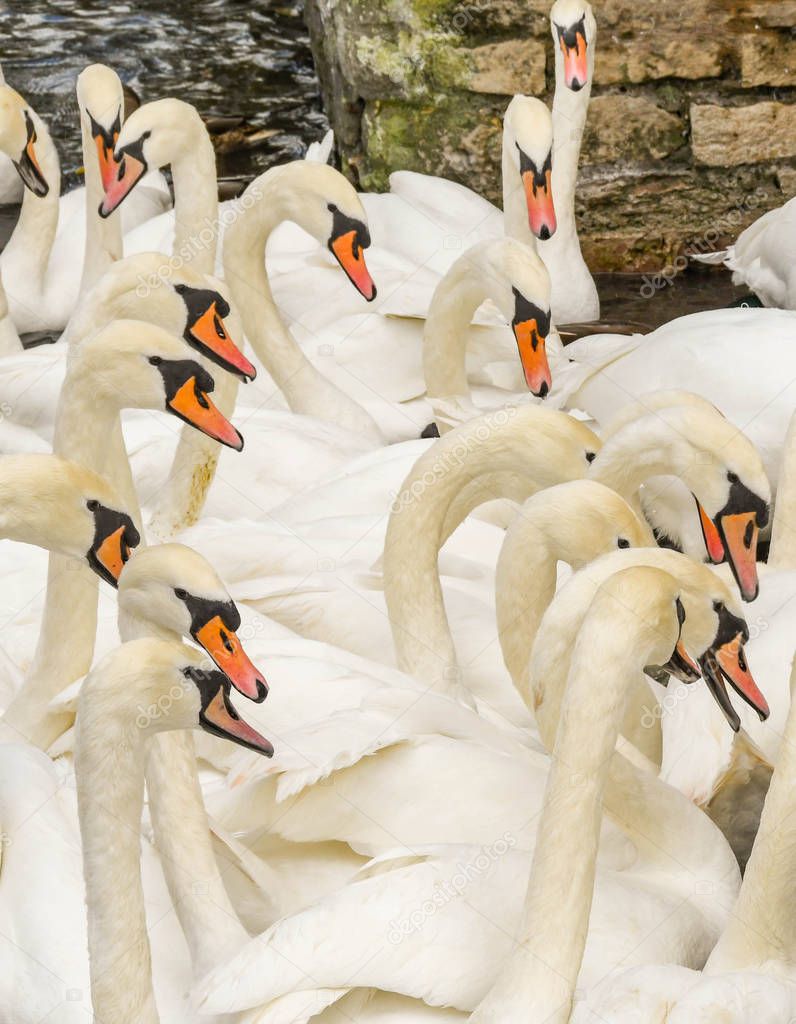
x,y
735,668
128,172
211,336
351,257
740,541
220,718
539,200
28,166
113,553
226,650
109,169
713,541
533,356
576,67
193,406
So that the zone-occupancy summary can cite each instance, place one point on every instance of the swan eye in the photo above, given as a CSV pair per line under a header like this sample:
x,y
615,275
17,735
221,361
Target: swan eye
x,y
180,593
92,505
591,456
623,542
732,477
717,607
155,360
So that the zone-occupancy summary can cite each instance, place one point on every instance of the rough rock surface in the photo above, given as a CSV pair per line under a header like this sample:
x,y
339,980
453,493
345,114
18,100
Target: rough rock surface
x,y
691,131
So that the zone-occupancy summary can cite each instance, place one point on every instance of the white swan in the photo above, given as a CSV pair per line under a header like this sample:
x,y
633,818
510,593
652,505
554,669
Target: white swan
x,y
702,352
126,363
634,620
762,257
43,260
452,211
751,972
512,276
316,576
112,742
702,762
450,954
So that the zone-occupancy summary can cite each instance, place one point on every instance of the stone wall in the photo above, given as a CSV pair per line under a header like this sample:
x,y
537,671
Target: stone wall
x,y
692,124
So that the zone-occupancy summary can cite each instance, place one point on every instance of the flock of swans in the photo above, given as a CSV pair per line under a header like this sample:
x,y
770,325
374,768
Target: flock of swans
x,y
462,690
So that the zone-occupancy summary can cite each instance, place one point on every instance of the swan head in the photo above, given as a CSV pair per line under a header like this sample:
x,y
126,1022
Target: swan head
x,y
18,137
322,202
721,468
66,508
101,102
162,685
135,364
528,138
581,520
713,633
574,34
205,311
150,138
518,283
184,301
176,589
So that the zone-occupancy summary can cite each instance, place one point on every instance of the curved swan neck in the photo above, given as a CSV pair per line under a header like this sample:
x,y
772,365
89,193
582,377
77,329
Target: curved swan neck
x,y
524,443
456,298
65,647
783,531
109,765
613,645
632,456
28,249
762,925
193,171
525,584
182,834
515,208
569,119
268,201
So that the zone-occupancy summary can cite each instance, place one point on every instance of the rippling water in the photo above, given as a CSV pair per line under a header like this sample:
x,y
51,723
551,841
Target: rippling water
x,y
248,57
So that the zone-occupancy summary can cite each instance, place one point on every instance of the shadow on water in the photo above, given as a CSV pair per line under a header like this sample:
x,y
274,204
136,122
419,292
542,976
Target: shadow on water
x,y
249,57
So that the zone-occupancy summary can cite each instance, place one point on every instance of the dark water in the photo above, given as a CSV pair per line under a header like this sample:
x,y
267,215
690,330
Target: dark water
x,y
249,57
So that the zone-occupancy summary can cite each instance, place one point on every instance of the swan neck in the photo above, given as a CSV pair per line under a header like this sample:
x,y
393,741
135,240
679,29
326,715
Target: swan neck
x,y
626,461
182,833
453,305
783,531
441,490
28,249
265,204
569,120
762,925
515,209
65,647
109,766
196,221
183,839
525,584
